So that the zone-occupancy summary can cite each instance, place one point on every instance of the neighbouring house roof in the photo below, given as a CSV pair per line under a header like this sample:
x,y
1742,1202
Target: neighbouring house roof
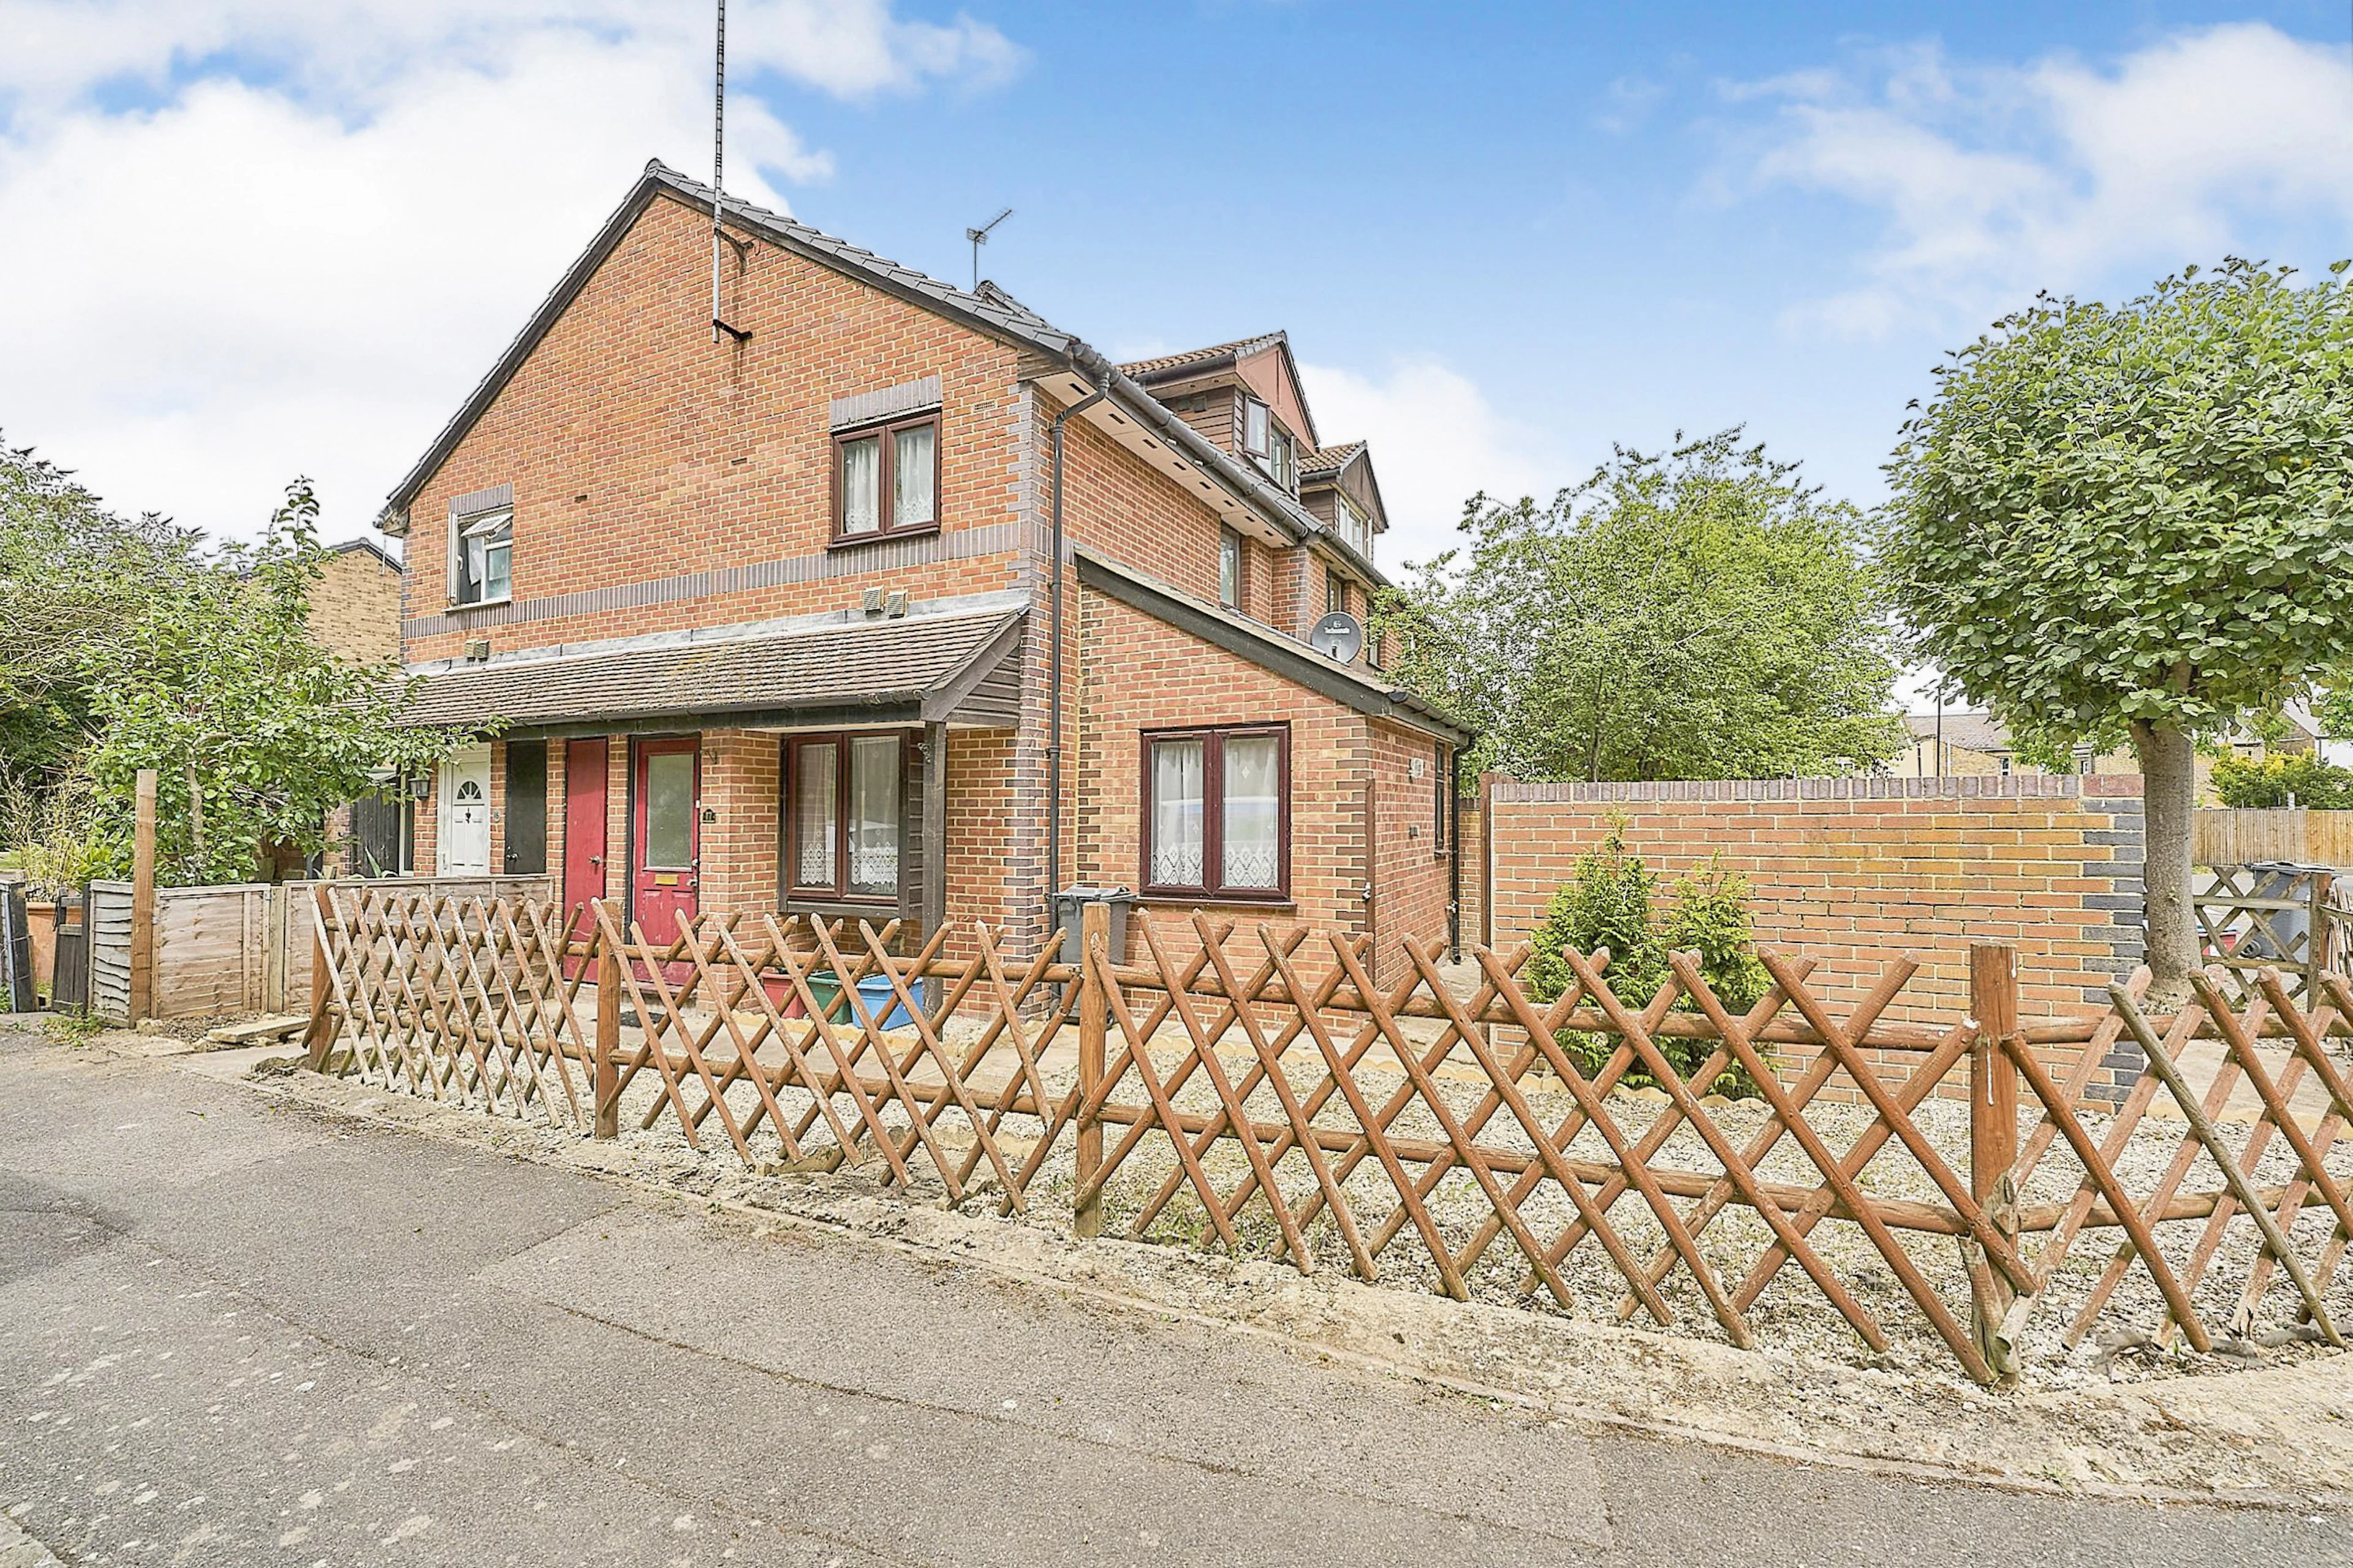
x,y
352,546
1263,646
917,667
1968,731
1325,462
987,309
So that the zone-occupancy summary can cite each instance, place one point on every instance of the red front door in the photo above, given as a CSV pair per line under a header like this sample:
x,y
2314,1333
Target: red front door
x,y
667,846
584,763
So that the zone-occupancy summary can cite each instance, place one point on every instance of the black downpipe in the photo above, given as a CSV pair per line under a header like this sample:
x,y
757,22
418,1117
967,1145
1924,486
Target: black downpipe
x,y
1054,675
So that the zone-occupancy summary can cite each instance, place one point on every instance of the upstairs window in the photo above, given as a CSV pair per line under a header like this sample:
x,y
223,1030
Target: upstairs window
x,y
1352,525
486,557
886,481
1282,458
1229,569
1336,591
1256,427
1217,822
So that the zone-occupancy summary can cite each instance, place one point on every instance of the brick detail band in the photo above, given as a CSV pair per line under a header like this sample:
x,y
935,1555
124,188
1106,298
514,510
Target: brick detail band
x,y
884,555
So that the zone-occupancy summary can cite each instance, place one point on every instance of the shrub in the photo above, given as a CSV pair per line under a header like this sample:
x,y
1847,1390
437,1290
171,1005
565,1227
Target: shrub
x,y
2278,779
1607,902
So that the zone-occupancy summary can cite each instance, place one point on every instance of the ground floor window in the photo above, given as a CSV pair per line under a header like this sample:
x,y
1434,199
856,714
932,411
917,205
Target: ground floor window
x,y
1217,811
841,815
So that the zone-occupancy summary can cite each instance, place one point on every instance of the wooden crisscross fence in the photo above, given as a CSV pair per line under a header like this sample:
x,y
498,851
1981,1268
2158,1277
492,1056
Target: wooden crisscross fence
x,y
1936,1187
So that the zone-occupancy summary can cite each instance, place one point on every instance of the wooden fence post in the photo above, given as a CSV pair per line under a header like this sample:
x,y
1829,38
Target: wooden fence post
x,y
142,900
608,1039
2318,959
1094,929
320,1036
1993,1141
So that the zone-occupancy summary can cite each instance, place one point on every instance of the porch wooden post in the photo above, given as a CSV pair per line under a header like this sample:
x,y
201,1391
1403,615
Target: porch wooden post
x,y
608,1039
143,898
1993,1139
934,912
320,1036
1094,930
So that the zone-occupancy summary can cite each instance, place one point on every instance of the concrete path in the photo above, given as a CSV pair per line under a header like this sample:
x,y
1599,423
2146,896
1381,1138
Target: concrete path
x,y
236,1332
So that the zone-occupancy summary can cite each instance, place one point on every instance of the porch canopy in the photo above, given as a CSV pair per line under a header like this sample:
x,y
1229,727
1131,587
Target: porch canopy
x,y
946,667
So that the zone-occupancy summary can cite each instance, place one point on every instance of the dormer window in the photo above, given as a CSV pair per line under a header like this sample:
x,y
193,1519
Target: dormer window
x,y
486,557
1352,525
1257,426
1281,458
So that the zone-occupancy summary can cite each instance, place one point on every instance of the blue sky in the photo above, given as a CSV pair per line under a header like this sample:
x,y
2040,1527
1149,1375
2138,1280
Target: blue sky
x,y
287,237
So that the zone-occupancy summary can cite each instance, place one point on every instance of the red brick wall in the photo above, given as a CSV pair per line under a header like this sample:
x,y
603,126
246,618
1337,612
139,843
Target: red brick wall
x,y
640,450
1854,873
1411,874
739,848
1130,510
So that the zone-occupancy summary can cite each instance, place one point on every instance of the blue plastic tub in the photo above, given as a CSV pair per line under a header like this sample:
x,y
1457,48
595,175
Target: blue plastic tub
x,y
875,992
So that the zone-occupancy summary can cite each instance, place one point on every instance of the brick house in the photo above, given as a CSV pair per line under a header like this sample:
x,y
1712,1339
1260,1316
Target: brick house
x,y
768,606
355,603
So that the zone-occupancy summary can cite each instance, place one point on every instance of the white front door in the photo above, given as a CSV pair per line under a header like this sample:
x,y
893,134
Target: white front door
x,y
465,836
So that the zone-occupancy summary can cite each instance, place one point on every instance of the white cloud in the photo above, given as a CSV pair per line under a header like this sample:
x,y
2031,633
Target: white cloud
x,y
1436,442
1997,181
303,266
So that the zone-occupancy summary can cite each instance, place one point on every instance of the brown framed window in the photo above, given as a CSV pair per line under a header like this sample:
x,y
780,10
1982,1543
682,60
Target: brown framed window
x,y
841,814
1231,562
886,480
1216,812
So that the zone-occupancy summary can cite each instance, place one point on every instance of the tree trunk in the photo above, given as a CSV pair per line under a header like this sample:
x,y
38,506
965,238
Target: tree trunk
x,y
195,819
2168,766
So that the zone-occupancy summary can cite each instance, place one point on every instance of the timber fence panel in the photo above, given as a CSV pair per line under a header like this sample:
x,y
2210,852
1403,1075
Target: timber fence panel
x,y
110,949
2242,836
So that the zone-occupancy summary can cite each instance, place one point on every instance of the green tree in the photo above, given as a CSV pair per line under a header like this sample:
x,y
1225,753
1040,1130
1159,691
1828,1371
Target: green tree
x,y
2291,778
2139,523
255,732
73,575
1697,615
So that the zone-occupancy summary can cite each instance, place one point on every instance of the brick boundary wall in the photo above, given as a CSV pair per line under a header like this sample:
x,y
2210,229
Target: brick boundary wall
x,y
1855,872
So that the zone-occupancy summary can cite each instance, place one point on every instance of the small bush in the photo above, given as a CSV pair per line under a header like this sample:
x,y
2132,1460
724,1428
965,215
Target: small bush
x,y
1607,902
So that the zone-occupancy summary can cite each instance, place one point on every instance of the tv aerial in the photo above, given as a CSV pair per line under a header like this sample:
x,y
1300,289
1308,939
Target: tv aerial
x,y
979,237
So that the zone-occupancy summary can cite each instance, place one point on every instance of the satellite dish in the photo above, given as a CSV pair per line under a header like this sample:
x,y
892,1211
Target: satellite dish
x,y
1338,636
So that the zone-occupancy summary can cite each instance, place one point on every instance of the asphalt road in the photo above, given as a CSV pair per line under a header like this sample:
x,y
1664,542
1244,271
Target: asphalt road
x,y
235,1331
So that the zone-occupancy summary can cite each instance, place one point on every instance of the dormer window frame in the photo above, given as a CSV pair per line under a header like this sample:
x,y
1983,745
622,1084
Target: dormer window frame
x,y
1354,525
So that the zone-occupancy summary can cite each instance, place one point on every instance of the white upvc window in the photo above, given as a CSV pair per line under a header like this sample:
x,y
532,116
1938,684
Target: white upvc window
x,y
1352,525
486,558
1256,427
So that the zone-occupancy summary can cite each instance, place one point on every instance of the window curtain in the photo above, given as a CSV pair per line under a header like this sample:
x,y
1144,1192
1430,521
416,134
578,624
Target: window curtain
x,y
861,485
875,814
1253,816
813,815
1177,814
913,503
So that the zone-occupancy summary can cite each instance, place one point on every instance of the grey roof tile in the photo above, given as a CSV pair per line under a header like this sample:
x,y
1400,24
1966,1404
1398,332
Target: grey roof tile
x,y
873,663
